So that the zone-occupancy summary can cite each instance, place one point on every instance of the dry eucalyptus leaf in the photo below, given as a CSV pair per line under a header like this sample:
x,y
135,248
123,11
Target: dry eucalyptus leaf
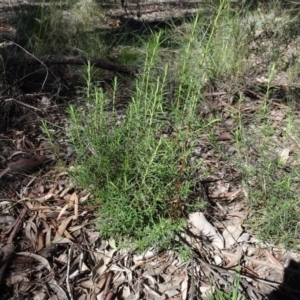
x,y
62,211
39,296
184,288
200,226
233,230
10,281
62,227
285,154
144,256
244,238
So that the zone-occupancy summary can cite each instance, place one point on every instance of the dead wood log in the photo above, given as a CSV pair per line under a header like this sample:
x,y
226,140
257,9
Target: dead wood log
x,y
78,60
152,10
31,73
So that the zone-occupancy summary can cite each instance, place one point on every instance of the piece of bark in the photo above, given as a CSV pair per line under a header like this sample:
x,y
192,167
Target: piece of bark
x,y
28,164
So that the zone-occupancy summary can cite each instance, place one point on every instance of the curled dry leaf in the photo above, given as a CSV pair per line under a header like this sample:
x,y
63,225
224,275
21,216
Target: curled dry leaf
x,y
152,292
225,195
62,211
233,258
39,296
285,154
63,258
144,256
45,198
38,258
150,278
233,230
171,286
200,226
184,288
102,259
84,198
273,259
60,293
31,232
68,235
40,241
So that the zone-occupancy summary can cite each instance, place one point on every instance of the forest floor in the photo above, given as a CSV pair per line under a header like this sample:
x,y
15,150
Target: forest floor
x,y
243,147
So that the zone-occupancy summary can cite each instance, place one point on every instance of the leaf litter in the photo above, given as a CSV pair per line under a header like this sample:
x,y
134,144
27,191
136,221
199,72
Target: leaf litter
x,y
60,255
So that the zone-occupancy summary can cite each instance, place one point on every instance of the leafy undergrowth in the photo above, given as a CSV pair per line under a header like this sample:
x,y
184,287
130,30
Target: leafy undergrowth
x,y
143,171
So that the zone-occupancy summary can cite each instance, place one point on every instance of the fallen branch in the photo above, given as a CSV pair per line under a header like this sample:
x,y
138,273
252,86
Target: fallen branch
x,y
79,60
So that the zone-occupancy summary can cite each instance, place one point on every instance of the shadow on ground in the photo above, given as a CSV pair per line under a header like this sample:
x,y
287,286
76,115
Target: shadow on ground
x,y
290,288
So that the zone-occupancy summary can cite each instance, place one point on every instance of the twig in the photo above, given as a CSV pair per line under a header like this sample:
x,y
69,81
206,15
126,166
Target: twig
x,y
24,104
107,284
192,289
68,273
